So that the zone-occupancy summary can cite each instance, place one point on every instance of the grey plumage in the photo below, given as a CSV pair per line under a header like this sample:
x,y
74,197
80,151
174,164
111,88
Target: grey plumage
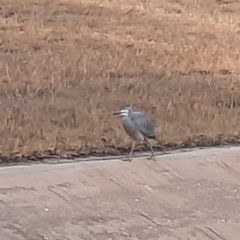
x,y
138,126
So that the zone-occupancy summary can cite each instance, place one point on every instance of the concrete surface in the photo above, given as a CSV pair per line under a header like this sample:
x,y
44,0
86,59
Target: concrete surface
x,y
193,195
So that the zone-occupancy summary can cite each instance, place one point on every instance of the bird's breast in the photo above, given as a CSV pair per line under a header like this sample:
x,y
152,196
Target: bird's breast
x,y
132,130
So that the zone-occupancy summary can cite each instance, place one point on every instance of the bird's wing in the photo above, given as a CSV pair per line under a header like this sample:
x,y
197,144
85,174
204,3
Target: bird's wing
x,y
144,123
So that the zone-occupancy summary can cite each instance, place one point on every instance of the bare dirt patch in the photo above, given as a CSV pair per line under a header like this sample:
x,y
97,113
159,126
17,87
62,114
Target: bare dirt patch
x,y
67,65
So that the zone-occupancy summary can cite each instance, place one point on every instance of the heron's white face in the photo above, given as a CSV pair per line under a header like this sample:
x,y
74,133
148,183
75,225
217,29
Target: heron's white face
x,y
123,112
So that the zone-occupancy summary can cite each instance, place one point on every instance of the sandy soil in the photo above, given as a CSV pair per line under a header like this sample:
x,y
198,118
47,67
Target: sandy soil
x,y
192,195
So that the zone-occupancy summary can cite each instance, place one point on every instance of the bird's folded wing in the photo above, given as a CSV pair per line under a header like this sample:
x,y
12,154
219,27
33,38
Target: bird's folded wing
x,y
144,124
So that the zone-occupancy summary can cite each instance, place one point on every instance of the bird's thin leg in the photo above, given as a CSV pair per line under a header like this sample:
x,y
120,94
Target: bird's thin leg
x,y
133,146
131,152
153,155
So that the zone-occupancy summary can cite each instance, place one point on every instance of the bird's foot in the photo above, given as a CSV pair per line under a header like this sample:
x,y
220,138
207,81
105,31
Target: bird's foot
x,y
128,159
152,158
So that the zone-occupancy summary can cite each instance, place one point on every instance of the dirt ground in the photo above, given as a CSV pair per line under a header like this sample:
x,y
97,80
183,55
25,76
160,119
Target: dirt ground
x,y
182,196
67,65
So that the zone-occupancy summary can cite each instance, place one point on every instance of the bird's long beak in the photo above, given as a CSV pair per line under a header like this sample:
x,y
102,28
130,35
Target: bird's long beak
x,y
116,113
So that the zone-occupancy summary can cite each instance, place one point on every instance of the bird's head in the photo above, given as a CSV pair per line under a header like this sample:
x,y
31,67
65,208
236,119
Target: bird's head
x,y
125,111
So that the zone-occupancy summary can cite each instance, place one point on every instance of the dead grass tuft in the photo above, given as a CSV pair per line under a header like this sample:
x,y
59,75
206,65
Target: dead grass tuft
x,y
67,65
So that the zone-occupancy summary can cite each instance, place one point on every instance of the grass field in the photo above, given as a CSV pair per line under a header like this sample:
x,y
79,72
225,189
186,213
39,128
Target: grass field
x,y
67,65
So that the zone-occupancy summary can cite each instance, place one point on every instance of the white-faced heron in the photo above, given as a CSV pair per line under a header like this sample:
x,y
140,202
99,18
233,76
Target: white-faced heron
x,y
138,126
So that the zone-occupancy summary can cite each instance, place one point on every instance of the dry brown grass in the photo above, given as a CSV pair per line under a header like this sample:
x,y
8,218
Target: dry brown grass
x,y
67,65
